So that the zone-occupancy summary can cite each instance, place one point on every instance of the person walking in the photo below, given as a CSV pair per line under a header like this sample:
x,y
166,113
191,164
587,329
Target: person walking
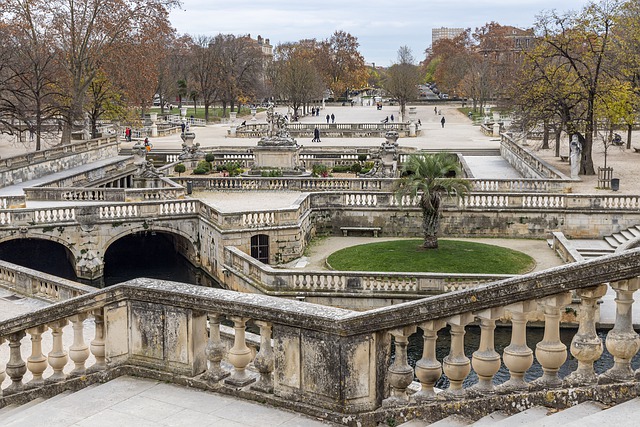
x,y
328,117
316,135
392,118
442,121
333,118
435,110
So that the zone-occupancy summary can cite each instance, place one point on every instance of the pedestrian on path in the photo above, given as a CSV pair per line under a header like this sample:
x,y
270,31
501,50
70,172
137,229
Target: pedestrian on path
x,y
392,118
328,117
442,121
435,110
316,135
333,118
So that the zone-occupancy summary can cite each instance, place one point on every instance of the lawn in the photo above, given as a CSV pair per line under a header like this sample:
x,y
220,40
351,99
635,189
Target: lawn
x,y
452,256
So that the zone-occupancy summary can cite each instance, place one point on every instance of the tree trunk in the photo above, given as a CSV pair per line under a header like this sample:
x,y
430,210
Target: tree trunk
x,y
545,135
431,222
629,131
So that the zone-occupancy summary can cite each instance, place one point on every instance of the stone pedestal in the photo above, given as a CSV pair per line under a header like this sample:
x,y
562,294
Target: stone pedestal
x,y
286,157
232,117
496,129
253,114
154,126
412,129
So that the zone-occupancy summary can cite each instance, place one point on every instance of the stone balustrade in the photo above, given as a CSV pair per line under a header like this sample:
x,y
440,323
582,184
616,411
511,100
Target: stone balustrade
x,y
299,129
355,289
32,283
336,363
526,163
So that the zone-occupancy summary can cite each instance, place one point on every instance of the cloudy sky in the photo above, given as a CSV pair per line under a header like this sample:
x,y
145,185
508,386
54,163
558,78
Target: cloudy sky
x,y
380,26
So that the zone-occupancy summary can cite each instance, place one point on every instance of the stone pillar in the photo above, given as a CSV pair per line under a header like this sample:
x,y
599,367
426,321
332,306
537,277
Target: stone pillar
x,y
412,129
232,117
586,346
517,357
456,365
233,130
485,360
428,368
400,374
264,360
496,129
37,362
97,344
622,341
154,125
551,352
215,351
253,114
79,350
2,374
16,368
239,355
57,356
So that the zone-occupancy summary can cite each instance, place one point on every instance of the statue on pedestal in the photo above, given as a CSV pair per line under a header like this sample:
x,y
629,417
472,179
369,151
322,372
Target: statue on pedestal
x,y
385,159
575,155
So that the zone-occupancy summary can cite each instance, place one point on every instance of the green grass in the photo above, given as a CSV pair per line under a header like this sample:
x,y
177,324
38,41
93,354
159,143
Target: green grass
x,y
452,256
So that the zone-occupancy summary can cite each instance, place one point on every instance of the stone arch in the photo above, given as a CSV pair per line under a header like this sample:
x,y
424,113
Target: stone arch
x,y
70,252
192,250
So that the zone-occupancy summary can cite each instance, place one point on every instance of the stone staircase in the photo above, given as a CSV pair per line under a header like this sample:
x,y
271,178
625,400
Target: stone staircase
x,y
590,249
128,401
583,415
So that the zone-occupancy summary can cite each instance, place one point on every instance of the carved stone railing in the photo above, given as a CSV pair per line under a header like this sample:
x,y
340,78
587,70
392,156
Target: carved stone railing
x,y
330,130
526,163
82,194
356,289
40,163
335,363
357,184
32,283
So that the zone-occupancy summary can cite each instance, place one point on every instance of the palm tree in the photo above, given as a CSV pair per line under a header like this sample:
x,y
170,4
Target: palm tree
x,y
430,176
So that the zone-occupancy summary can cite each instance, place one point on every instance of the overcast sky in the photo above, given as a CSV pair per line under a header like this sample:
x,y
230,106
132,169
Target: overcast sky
x,y
380,26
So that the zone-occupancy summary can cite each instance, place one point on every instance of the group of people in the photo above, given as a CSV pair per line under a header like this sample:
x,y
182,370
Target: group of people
x,y
315,111
331,117
316,135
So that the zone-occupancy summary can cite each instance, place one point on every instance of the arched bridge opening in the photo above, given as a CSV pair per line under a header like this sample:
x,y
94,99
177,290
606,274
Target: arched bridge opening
x,y
39,254
156,255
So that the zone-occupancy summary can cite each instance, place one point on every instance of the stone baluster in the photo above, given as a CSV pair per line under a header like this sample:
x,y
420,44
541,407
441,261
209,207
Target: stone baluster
x,y
428,368
400,373
215,351
239,355
517,357
551,352
456,365
16,368
486,361
37,362
264,360
2,374
586,346
97,344
57,356
79,350
622,341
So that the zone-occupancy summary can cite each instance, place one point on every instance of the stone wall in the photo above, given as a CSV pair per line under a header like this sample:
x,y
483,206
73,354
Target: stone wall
x,y
14,170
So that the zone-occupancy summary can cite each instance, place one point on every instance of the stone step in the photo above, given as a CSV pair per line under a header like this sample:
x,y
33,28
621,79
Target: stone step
x,y
452,421
612,241
490,419
635,231
620,238
568,415
5,412
523,418
17,409
627,235
622,415
594,254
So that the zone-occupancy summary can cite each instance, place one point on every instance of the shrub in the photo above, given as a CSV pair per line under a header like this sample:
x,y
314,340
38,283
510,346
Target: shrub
x,y
356,168
362,157
367,167
209,157
341,168
203,164
272,173
179,168
319,170
200,171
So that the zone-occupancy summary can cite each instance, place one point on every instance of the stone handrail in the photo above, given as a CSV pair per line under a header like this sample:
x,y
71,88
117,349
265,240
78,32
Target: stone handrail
x,y
525,162
36,284
82,194
337,363
355,184
22,160
244,272
299,129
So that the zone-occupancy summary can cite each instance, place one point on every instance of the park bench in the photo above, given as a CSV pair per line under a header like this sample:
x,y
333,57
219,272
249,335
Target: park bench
x,y
375,230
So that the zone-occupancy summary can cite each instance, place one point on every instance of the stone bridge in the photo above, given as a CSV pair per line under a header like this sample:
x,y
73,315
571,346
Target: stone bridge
x,y
87,232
